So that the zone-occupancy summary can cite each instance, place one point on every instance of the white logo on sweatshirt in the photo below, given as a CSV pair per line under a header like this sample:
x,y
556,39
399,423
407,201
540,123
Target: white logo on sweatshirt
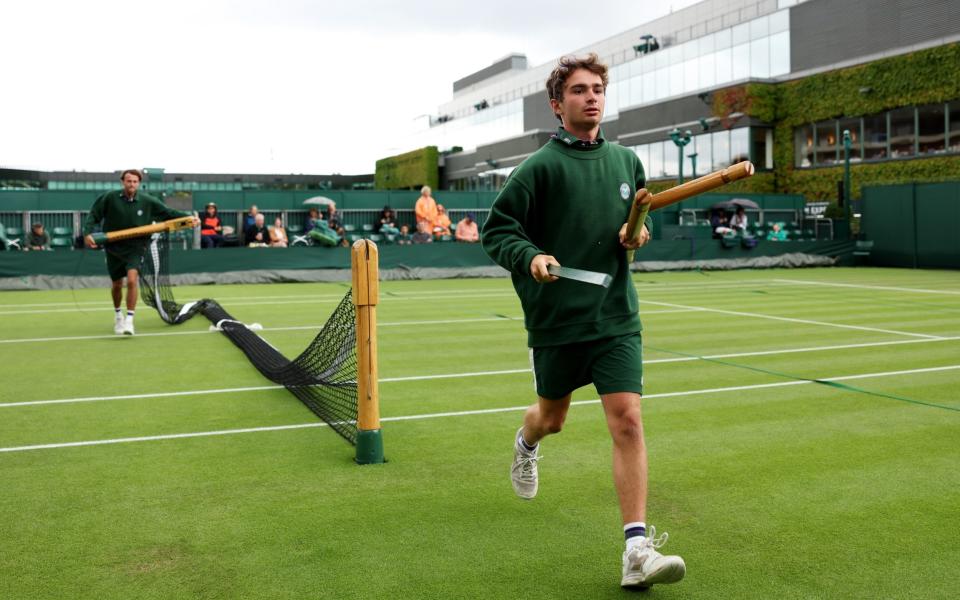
x,y
624,190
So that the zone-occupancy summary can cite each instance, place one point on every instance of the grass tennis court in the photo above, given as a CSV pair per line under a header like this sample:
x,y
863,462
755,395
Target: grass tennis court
x,y
770,485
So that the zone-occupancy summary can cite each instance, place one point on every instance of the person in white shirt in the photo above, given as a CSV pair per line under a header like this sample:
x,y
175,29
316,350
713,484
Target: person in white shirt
x,y
739,220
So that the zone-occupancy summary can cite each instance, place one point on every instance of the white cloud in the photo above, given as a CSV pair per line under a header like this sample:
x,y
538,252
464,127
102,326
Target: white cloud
x,y
253,86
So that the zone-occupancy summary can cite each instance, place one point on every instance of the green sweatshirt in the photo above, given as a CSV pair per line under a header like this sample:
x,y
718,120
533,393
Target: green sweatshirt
x,y
115,211
569,200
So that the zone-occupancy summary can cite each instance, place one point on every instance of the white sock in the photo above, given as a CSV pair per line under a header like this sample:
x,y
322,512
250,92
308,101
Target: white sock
x,y
635,533
118,313
130,315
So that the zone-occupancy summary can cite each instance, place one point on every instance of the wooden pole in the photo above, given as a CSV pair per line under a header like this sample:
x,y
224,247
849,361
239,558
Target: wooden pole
x,y
143,230
366,294
641,206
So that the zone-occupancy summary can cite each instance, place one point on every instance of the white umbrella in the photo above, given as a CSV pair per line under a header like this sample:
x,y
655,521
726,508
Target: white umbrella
x,y
319,201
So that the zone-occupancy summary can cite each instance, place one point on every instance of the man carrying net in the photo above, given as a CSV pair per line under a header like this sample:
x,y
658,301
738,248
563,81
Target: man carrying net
x,y
566,203
124,209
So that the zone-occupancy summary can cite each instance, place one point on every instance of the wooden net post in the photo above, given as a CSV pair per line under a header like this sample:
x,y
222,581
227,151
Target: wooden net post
x,y
366,294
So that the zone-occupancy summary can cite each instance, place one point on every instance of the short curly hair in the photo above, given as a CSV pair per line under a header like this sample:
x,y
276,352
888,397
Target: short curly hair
x,y
569,64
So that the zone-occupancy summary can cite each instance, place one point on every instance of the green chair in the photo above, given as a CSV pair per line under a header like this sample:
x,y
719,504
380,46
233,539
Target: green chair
x,y
14,232
861,252
293,229
62,232
349,227
375,238
367,228
61,243
7,240
353,237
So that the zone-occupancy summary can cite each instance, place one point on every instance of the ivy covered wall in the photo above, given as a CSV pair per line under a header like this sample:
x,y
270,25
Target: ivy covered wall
x,y
408,171
922,77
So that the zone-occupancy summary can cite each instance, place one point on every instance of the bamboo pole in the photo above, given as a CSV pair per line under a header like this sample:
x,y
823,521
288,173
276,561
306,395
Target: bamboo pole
x,y
143,230
643,204
366,292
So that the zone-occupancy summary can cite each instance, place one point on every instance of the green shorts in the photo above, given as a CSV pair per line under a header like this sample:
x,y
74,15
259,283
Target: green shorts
x,y
611,364
118,263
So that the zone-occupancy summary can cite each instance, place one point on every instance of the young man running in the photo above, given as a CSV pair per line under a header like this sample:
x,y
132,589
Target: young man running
x,y
122,209
565,204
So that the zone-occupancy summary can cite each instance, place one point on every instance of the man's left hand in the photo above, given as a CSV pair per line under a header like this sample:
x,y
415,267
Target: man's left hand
x,y
633,244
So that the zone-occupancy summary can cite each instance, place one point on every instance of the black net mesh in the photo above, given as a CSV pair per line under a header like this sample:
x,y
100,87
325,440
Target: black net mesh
x,y
323,377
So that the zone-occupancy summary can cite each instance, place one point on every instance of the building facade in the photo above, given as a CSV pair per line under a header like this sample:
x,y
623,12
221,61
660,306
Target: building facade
x,y
776,82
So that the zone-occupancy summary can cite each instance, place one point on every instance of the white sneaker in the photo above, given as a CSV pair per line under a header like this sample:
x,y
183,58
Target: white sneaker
x,y
128,326
643,566
523,473
118,325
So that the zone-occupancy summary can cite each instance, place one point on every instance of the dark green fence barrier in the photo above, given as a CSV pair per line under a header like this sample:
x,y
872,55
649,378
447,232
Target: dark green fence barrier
x,y
913,225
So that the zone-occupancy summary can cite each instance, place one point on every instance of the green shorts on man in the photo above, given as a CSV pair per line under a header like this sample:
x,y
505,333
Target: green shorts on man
x,y
612,365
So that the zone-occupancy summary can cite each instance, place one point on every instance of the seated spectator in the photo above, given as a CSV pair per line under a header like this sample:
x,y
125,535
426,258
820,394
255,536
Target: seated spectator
x,y
336,224
738,222
257,235
441,226
312,219
777,234
426,210
319,230
387,224
467,229
404,239
37,239
719,223
278,235
211,227
251,217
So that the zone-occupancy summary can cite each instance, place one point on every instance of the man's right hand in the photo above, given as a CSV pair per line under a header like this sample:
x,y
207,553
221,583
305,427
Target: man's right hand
x,y
89,241
538,268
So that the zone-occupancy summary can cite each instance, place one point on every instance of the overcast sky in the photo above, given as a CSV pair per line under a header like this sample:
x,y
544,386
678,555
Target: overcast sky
x,y
251,86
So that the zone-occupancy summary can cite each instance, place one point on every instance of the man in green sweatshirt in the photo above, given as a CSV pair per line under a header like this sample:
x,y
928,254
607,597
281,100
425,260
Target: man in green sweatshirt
x,y
565,205
123,209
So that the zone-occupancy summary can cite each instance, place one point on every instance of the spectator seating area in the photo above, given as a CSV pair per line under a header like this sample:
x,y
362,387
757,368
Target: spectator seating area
x,y
64,227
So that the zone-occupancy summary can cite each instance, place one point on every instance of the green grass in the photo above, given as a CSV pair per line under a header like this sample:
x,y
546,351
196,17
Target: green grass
x,y
792,491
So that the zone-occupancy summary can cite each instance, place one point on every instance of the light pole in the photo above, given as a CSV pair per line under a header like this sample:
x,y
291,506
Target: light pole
x,y
681,140
846,176
693,164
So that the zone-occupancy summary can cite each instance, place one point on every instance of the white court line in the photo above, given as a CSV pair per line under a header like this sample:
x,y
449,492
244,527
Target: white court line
x,y
462,413
792,320
397,294
459,375
867,287
311,300
304,327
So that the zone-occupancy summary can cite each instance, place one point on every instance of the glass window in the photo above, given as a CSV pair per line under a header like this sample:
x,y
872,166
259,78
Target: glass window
x,y
780,54
722,39
902,132
932,128
705,45
875,137
740,33
708,70
740,60
954,142
704,152
676,80
648,85
762,148
643,153
691,75
724,67
760,57
661,87
853,125
739,145
690,50
656,160
826,143
759,28
670,157
779,21
721,150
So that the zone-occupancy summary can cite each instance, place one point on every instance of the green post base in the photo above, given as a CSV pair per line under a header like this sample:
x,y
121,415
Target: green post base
x,y
369,447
